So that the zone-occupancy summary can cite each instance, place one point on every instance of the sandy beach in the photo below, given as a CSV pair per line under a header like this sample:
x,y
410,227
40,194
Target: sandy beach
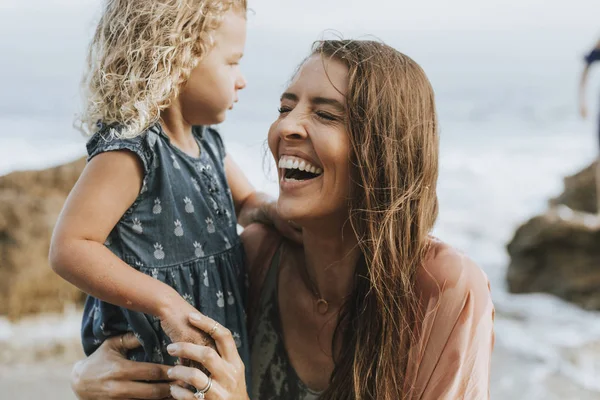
x,y
37,353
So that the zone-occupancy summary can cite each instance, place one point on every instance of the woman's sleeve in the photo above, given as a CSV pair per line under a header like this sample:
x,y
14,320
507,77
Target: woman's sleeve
x,y
452,360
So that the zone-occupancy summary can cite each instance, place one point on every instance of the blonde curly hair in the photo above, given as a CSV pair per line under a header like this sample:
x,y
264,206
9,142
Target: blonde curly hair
x,y
141,54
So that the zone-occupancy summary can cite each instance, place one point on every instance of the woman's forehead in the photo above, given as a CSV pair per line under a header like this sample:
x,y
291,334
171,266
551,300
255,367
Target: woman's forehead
x,y
321,75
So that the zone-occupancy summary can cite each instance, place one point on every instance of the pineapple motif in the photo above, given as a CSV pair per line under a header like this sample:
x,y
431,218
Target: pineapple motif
x,y
195,183
220,299
138,337
189,207
214,204
173,276
178,229
157,209
188,297
157,355
94,313
144,187
205,274
137,226
175,163
192,280
227,244
211,259
237,339
107,242
159,254
198,251
230,299
97,342
210,226
154,273
139,264
228,215
103,330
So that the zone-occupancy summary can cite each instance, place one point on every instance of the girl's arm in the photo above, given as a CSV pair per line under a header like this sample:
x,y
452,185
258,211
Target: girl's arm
x,y
582,86
593,56
108,186
253,206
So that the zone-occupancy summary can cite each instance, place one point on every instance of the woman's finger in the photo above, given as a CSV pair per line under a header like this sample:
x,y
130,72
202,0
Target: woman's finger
x,y
122,343
191,376
209,358
222,336
215,392
139,390
141,371
180,393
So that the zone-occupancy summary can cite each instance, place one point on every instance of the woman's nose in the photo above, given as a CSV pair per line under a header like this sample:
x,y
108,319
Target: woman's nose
x,y
291,128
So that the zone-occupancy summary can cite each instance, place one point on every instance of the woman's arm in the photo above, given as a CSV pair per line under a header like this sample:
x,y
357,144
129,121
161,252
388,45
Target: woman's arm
x,y
253,206
108,375
582,87
108,186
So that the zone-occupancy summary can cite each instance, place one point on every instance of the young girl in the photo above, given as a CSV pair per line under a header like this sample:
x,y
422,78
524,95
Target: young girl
x,y
149,230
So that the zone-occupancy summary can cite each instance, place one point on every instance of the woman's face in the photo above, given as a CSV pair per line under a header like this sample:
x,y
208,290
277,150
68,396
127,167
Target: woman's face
x,y
310,143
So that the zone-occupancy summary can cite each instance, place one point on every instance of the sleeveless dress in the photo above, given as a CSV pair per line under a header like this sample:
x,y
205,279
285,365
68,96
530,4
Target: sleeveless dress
x,y
273,376
180,230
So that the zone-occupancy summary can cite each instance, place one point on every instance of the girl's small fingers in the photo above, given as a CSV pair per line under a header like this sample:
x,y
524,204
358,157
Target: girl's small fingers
x,y
180,393
222,336
191,376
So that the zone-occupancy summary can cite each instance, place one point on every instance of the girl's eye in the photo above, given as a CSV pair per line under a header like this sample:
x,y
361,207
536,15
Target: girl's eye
x,y
284,110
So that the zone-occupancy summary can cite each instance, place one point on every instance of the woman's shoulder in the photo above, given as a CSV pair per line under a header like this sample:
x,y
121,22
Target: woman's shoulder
x,y
452,274
260,244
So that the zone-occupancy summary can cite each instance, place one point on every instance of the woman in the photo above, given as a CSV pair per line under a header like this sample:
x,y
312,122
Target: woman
x,y
593,56
371,306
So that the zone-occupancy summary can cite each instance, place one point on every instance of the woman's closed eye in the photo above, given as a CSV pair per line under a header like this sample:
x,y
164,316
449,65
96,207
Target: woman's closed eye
x,y
326,116
284,110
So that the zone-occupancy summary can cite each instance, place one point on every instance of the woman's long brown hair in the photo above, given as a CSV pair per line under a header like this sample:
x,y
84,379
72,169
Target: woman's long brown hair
x,y
392,124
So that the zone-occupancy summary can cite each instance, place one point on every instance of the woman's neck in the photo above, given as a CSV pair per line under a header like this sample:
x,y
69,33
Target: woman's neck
x,y
330,261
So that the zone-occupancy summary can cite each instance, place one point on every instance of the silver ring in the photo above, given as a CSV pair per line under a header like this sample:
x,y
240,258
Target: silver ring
x,y
200,393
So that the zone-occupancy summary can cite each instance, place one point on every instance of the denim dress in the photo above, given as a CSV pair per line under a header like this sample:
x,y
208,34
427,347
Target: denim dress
x,y
181,230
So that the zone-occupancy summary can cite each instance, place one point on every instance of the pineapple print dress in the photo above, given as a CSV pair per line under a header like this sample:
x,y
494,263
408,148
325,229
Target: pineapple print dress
x,y
180,230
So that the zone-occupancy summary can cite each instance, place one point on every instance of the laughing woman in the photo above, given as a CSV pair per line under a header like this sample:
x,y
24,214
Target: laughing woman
x,y
371,306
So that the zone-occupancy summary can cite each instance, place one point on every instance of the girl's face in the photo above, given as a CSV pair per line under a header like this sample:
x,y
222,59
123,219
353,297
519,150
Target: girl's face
x,y
212,86
310,144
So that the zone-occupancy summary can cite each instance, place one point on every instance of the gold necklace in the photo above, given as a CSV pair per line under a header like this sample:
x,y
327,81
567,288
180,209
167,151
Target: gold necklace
x,y
322,305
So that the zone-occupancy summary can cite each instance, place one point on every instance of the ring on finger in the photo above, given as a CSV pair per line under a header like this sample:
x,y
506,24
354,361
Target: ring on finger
x,y
213,329
201,392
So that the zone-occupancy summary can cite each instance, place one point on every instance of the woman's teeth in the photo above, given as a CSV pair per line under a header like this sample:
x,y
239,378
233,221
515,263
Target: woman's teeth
x,y
287,162
298,169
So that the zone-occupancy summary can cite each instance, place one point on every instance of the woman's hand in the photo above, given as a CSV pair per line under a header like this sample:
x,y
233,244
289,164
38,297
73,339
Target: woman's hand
x,y
108,375
227,378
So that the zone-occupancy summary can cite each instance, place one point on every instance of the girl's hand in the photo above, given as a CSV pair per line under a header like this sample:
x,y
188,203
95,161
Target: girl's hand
x,y
176,324
108,375
227,379
287,229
